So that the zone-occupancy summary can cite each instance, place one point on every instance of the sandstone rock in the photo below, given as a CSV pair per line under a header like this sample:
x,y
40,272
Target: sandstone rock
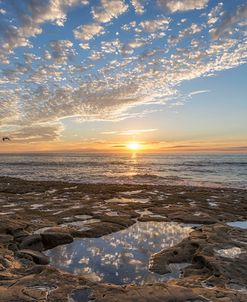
x,y
32,242
52,239
37,257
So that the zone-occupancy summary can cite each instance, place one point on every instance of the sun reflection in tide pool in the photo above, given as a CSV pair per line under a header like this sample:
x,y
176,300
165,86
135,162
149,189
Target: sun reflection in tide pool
x,y
121,257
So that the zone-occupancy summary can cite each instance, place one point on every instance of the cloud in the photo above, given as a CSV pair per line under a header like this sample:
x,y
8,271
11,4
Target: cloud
x,y
113,46
61,51
9,111
2,11
109,10
84,45
136,43
35,133
139,7
88,31
229,20
182,5
129,132
30,23
215,13
96,55
198,92
114,74
109,132
137,131
30,57
155,25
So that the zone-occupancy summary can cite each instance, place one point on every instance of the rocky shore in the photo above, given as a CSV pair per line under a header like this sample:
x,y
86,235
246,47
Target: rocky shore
x,y
37,216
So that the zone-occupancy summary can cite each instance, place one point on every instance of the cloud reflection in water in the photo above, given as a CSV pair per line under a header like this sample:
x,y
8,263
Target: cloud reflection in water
x,y
121,257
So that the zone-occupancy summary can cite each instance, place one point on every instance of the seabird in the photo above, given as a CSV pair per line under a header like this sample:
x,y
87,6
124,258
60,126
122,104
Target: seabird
x,y
5,138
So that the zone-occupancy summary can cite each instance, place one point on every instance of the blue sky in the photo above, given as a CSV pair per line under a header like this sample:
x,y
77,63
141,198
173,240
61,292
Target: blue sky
x,y
81,74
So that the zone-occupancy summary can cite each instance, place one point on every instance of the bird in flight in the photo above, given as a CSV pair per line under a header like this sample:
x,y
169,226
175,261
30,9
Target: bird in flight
x,y
5,138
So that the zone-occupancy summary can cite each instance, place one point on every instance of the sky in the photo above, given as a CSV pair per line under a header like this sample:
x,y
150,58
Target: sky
x,y
80,75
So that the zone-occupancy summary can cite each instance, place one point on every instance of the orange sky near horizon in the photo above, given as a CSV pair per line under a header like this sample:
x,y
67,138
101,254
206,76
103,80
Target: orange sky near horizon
x,y
237,146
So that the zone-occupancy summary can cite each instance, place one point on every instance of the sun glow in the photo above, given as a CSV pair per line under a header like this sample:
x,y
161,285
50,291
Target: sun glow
x,y
134,146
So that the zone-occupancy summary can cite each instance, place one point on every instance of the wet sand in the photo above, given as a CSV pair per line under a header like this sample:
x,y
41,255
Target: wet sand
x,y
38,216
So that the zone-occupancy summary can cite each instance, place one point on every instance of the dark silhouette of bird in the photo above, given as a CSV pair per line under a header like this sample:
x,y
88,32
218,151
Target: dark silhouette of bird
x,y
5,138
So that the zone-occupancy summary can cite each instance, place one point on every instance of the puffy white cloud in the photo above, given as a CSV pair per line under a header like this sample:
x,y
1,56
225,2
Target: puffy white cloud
x,y
139,7
38,12
88,31
129,26
96,55
109,10
136,43
47,55
30,57
155,25
84,45
111,46
182,5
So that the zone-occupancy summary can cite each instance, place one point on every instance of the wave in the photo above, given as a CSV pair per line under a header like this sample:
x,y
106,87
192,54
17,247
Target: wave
x,y
62,164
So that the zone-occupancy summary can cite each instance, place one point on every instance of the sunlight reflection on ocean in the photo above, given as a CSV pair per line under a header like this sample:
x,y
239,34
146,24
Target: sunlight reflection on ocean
x,y
229,170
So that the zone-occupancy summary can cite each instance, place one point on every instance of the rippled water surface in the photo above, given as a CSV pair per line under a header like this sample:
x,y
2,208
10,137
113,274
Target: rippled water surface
x,y
121,257
204,170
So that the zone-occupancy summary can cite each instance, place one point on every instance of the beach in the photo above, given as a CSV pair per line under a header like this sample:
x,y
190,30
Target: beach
x,y
198,235
123,154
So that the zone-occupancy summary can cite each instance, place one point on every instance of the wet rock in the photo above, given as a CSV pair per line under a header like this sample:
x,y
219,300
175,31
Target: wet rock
x,y
121,220
150,293
201,249
53,239
183,252
33,242
22,280
80,295
36,256
98,229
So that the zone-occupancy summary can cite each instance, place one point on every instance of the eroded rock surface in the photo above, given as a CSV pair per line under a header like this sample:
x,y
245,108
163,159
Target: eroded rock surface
x,y
38,220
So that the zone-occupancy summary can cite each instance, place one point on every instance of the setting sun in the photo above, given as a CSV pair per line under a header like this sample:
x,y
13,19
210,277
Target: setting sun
x,y
134,146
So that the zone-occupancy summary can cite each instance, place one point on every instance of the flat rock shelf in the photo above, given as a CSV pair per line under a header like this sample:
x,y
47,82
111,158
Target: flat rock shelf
x,y
120,243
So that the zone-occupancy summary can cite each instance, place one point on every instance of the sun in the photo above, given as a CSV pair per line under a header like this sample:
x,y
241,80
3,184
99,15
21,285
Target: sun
x,y
134,146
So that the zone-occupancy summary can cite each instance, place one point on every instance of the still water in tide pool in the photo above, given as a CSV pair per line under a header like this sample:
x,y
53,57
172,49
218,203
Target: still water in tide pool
x,y
122,257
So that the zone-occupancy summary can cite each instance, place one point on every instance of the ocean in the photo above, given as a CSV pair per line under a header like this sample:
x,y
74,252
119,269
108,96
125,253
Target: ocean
x,y
219,170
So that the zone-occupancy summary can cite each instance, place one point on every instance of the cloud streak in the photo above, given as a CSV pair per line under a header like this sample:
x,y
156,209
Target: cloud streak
x,y
182,5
